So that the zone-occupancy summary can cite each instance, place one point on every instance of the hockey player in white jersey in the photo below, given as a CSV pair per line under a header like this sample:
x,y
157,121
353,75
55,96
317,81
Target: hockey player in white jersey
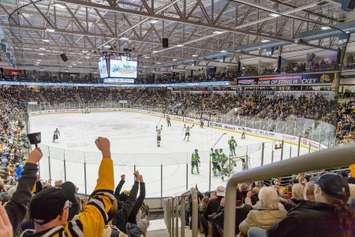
x,y
158,130
187,132
56,135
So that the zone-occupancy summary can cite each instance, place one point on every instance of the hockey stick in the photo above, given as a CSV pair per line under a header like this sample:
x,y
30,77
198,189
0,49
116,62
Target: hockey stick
x,y
219,139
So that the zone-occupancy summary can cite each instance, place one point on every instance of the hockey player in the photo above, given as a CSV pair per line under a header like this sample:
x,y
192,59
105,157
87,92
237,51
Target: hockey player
x,y
158,130
243,135
187,132
222,158
195,162
232,145
202,123
56,135
168,121
225,164
214,161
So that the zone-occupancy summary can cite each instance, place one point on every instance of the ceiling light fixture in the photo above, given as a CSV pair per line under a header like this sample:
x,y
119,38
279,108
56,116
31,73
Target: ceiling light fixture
x,y
50,30
274,14
154,21
223,51
107,46
194,55
265,41
45,40
41,54
174,59
42,48
325,28
180,45
217,32
124,38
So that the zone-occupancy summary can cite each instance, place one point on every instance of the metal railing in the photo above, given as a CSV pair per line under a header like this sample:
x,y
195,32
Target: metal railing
x,y
325,159
175,215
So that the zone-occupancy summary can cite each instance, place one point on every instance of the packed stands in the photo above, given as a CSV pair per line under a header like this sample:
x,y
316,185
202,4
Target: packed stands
x,y
259,205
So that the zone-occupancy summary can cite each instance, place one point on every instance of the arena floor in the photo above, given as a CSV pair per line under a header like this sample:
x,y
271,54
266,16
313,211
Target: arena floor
x,y
133,145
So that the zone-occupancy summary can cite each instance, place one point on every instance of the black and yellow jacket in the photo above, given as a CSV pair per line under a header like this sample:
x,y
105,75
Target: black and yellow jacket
x,y
93,219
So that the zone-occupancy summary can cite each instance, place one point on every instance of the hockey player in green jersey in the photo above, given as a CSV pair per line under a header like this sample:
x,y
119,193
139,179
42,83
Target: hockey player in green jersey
x,y
222,158
215,162
232,145
195,162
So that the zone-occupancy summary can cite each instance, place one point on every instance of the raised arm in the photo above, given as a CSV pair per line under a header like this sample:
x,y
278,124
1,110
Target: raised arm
x,y
16,208
93,219
139,201
120,185
134,190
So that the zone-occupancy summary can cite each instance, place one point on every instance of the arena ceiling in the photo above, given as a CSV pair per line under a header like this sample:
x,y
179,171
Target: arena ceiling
x,y
198,30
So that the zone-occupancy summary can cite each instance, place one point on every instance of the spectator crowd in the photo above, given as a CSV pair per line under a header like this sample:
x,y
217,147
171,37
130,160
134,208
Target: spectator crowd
x,y
310,205
33,207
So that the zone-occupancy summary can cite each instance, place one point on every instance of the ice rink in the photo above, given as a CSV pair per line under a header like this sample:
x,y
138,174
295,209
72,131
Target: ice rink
x,y
133,143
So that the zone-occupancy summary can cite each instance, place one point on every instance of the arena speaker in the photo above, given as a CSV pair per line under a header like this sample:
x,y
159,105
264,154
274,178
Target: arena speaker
x,y
348,5
279,64
239,68
339,56
64,57
165,42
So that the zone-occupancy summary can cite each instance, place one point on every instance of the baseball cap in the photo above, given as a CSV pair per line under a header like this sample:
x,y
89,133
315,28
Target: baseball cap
x,y
334,185
47,205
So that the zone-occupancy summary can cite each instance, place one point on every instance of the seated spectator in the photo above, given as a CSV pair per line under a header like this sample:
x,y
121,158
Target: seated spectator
x,y
297,197
213,207
328,216
265,213
241,212
308,192
49,209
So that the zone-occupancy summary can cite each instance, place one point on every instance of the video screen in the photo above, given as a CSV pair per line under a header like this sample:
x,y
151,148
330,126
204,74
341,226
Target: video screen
x,y
103,68
123,68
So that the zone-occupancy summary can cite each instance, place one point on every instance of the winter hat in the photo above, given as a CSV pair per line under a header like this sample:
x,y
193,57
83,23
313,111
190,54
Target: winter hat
x,y
47,205
69,190
334,185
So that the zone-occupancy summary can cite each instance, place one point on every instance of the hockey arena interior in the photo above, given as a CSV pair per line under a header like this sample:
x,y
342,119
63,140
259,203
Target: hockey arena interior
x,y
177,118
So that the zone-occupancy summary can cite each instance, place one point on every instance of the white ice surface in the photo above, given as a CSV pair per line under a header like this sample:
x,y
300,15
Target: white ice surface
x,y
133,143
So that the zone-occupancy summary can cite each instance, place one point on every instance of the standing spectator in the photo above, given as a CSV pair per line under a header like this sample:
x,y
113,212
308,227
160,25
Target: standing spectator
x,y
5,224
132,228
49,209
17,207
